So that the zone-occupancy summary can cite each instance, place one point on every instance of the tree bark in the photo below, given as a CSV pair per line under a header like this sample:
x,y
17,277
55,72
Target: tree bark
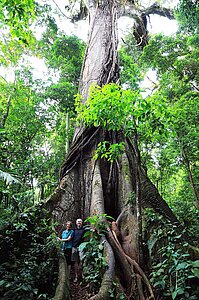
x,y
62,290
96,187
5,116
101,62
192,183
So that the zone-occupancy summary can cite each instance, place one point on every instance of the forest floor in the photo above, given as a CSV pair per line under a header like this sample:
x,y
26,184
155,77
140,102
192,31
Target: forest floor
x,y
79,290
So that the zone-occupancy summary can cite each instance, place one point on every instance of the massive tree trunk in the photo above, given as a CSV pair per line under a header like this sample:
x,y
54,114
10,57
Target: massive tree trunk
x,y
88,186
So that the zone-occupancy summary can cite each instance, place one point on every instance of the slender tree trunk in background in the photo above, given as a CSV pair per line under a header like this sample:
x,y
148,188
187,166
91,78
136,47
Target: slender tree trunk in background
x,y
1,199
193,186
5,116
42,192
6,201
67,128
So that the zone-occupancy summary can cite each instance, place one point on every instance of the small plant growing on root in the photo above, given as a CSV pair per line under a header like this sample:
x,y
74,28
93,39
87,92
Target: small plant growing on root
x,y
94,261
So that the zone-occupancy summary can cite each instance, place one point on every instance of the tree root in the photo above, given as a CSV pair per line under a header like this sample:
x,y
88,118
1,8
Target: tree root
x,y
84,140
134,264
121,259
62,290
139,285
134,267
98,206
109,274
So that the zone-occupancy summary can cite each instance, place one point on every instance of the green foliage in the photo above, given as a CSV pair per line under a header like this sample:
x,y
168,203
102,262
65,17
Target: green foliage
x,y
172,162
132,199
114,294
109,107
11,51
172,269
114,108
162,52
28,251
97,224
66,54
131,72
155,118
61,95
23,150
185,120
195,268
187,14
94,261
108,151
63,54
176,60
18,15
34,135
8,178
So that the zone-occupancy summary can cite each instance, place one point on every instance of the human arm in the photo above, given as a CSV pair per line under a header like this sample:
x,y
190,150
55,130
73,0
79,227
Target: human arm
x,y
66,236
65,240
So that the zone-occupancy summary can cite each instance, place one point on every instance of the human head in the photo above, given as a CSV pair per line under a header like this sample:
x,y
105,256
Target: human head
x,y
68,224
79,223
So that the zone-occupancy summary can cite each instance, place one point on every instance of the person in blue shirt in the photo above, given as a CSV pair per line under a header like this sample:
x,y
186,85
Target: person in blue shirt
x,y
67,237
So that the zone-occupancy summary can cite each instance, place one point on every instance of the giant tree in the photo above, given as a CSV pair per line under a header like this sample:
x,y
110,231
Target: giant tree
x,y
118,187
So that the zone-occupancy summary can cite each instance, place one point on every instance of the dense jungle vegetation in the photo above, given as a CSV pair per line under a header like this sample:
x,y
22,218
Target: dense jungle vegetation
x,y
37,121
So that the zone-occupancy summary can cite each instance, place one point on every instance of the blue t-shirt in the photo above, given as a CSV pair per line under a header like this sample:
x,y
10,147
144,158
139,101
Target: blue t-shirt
x,y
65,235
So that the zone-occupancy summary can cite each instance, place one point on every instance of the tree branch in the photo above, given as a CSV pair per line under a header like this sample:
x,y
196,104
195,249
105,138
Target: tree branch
x,y
5,116
61,10
156,9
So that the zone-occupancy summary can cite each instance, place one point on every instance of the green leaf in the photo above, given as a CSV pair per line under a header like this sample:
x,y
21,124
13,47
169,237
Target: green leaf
x,y
9,178
83,245
177,292
182,266
195,263
195,272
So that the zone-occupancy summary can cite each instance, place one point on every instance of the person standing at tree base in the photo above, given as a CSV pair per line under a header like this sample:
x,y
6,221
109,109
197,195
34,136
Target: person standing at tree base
x,y
67,236
77,240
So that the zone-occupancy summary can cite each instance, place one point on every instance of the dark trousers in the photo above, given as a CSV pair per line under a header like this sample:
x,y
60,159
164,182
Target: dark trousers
x,y
67,254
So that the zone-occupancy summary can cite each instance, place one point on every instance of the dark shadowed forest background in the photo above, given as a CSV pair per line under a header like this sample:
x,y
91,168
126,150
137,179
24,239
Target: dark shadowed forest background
x,y
103,131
